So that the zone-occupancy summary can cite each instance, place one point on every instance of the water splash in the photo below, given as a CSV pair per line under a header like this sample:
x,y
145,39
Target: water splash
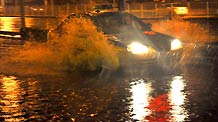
x,y
80,48
186,31
194,36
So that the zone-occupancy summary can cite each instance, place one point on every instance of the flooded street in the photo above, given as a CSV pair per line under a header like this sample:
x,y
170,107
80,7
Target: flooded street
x,y
30,93
13,24
151,96
188,96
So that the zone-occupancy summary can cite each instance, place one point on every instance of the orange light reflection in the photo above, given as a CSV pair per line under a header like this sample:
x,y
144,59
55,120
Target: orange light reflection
x,y
9,24
10,99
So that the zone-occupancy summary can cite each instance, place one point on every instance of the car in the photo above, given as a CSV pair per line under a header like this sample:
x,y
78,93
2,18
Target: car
x,y
142,45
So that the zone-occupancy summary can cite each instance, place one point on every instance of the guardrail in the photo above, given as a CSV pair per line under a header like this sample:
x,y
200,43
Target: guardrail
x,y
29,34
142,10
7,34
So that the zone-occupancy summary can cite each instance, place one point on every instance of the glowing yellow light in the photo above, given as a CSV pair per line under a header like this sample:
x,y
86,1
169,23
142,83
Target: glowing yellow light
x,y
137,48
181,10
9,23
176,44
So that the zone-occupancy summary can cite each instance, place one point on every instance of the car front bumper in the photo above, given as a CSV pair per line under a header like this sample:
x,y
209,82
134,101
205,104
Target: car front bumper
x,y
157,58
170,58
132,59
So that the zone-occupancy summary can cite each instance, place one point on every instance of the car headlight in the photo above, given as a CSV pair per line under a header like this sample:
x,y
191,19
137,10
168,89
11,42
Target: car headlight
x,y
137,48
176,44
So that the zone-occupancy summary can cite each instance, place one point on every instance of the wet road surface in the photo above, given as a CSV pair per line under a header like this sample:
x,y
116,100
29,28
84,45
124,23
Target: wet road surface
x,y
188,94
185,95
13,24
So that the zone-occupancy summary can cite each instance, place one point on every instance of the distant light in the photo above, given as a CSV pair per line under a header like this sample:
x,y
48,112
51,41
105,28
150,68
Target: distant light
x,y
36,9
181,10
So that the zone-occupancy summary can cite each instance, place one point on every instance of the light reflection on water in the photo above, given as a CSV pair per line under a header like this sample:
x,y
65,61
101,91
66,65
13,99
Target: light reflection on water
x,y
167,99
8,24
13,24
10,98
165,107
141,96
177,98
19,99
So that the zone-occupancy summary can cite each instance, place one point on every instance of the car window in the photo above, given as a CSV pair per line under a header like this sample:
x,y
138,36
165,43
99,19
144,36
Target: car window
x,y
109,23
113,23
137,23
132,21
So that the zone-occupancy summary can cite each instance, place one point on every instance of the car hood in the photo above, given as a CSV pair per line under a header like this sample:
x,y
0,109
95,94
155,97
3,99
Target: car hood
x,y
158,41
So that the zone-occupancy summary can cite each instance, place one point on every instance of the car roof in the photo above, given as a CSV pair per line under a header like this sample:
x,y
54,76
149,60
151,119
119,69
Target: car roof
x,y
105,13
93,14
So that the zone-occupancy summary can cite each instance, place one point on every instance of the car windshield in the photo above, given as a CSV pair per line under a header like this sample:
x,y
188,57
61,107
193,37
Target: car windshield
x,y
113,23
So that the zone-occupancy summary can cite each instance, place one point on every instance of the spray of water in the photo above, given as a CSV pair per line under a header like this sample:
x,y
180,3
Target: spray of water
x,y
186,31
80,48
191,34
